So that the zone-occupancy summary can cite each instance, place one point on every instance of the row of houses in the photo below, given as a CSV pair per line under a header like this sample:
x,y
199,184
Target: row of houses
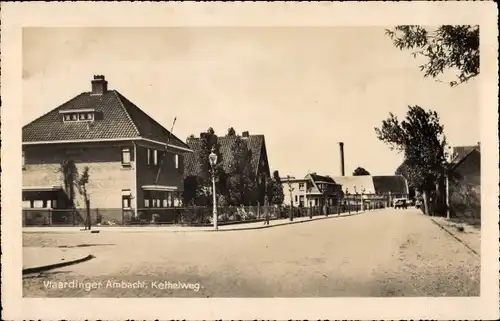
x,y
318,190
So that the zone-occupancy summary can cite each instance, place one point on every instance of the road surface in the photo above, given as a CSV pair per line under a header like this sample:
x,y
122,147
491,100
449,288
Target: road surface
x,y
380,253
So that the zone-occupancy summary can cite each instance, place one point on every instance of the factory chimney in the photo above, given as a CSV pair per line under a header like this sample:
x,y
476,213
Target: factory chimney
x,y
342,165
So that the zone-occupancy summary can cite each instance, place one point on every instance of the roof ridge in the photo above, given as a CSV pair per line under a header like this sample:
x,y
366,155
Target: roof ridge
x,y
57,108
117,95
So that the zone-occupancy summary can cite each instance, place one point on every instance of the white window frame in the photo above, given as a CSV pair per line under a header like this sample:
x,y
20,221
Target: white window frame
x,y
124,151
176,161
155,157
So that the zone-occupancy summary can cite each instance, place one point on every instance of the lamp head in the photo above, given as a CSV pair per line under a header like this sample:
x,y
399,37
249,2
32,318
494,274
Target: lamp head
x,y
212,158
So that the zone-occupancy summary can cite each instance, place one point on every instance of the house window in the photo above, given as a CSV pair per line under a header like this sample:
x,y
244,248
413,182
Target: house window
x,y
152,157
301,186
81,116
146,202
24,159
316,202
296,199
53,204
176,159
126,156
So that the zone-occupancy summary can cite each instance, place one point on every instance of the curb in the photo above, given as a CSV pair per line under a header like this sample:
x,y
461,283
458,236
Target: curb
x,y
455,237
159,228
276,225
43,268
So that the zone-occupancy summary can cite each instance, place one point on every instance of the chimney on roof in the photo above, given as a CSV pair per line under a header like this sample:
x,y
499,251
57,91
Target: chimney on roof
x,y
99,85
342,165
245,134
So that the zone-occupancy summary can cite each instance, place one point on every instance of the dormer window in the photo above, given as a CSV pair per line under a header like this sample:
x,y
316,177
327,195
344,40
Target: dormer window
x,y
78,115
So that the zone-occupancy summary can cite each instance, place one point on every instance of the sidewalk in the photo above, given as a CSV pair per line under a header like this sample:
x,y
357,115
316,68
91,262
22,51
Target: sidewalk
x,y
470,236
176,228
38,259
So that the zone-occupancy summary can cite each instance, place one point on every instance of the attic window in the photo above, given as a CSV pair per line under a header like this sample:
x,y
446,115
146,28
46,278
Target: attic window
x,y
78,115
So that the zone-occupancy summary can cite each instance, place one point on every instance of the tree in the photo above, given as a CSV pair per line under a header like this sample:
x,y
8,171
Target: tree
x,y
360,171
73,181
241,185
231,132
81,183
69,173
275,191
208,142
404,171
445,48
421,138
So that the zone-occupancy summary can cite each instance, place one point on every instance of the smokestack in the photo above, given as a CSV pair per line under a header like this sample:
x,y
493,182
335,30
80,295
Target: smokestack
x,y
342,165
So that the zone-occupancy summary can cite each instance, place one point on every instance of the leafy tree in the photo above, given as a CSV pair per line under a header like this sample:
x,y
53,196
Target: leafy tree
x,y
82,183
360,171
421,138
191,187
447,47
69,173
240,177
404,171
275,192
74,181
231,132
208,142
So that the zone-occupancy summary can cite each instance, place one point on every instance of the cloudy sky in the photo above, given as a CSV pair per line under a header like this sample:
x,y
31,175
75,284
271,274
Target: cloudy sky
x,y
305,88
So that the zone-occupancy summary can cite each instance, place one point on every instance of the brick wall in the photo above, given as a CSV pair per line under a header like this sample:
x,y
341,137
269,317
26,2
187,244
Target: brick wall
x,y
465,195
169,174
107,175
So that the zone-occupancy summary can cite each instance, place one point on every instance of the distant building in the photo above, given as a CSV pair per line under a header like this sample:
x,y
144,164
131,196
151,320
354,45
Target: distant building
x,y
465,190
312,190
373,188
122,146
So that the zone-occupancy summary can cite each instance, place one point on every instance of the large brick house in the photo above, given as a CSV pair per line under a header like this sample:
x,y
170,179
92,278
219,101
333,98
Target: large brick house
x,y
465,189
122,146
255,143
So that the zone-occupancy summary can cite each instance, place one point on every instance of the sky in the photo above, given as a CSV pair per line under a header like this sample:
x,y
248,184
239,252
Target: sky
x,y
304,88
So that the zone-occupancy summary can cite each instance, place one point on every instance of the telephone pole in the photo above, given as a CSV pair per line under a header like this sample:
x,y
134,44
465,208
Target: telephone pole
x,y
290,190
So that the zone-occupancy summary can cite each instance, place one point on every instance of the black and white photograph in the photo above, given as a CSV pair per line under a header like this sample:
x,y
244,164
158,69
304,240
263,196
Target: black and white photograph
x,y
253,161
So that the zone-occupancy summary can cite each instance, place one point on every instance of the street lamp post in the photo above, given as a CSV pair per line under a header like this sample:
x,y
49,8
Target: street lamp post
x,y
213,161
362,200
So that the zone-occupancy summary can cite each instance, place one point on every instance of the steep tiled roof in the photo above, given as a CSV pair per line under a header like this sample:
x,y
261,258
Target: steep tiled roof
x,y
319,178
462,152
116,117
395,184
254,142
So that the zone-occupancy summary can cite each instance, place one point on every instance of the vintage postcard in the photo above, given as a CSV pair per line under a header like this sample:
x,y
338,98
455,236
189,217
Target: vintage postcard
x,y
249,160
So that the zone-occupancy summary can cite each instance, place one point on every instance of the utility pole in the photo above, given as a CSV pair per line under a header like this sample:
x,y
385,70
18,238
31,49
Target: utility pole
x,y
290,190
166,147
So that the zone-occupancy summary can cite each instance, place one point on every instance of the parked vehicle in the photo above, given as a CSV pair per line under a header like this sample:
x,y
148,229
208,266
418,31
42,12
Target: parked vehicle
x,y
400,203
418,203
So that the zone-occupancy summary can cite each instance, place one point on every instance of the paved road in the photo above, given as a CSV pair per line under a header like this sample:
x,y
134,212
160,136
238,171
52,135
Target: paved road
x,y
382,253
